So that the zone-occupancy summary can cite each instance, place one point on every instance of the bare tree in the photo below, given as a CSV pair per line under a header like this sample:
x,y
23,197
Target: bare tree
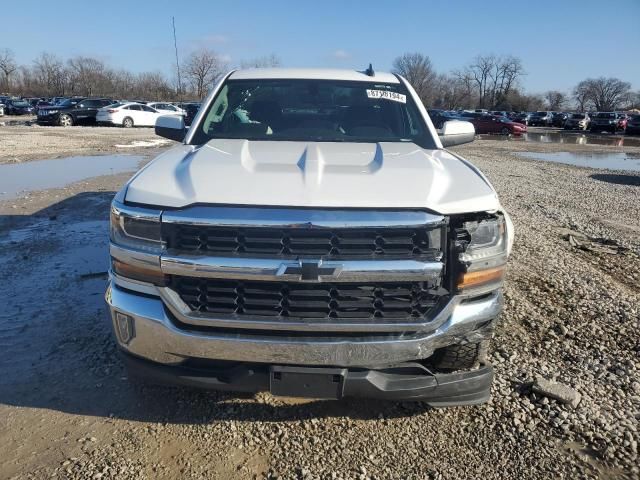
x,y
555,100
50,74
582,95
88,76
267,61
203,67
604,94
419,72
8,66
506,72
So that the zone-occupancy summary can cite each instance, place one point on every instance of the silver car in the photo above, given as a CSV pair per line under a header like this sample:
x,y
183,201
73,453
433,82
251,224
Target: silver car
x,y
577,121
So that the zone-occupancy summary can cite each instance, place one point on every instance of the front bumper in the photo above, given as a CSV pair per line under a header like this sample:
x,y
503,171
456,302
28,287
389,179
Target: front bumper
x,y
47,120
157,337
406,382
380,367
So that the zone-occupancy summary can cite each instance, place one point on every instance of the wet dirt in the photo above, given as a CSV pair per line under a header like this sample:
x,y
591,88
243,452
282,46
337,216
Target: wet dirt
x,y
44,174
69,411
600,160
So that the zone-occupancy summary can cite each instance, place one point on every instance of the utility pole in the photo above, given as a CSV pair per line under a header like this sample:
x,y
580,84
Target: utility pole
x,y
175,45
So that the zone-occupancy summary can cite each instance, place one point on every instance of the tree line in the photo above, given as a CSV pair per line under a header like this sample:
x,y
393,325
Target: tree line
x,y
488,81
49,75
494,82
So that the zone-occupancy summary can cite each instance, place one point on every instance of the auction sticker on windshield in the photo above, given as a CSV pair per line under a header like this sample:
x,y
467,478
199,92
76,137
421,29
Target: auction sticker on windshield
x,y
387,95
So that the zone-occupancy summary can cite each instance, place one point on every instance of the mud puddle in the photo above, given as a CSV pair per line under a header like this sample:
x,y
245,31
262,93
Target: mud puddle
x,y
610,161
43,174
570,138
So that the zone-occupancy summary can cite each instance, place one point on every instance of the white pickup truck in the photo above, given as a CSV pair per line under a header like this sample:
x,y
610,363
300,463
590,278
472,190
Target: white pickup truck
x,y
310,236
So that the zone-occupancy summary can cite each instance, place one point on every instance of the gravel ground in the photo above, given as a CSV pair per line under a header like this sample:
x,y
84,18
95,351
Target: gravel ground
x,y
22,142
67,410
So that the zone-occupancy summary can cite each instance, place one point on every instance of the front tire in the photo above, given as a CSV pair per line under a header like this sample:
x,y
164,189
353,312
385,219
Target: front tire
x,y
460,357
65,120
505,131
127,122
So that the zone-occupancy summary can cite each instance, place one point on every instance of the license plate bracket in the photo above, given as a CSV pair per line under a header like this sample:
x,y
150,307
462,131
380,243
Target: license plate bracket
x,y
307,382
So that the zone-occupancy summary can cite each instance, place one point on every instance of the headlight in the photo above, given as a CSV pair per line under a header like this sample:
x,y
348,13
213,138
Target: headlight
x,y
136,243
483,247
50,112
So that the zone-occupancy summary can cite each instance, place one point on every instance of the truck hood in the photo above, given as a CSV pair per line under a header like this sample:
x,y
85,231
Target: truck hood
x,y
312,174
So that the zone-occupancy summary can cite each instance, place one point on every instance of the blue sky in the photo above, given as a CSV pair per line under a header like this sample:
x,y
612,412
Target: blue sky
x,y
136,35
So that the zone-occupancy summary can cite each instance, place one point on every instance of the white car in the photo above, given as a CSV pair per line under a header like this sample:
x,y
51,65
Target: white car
x,y
167,108
129,115
311,236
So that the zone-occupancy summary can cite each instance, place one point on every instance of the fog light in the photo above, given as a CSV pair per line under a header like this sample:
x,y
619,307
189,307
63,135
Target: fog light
x,y
124,326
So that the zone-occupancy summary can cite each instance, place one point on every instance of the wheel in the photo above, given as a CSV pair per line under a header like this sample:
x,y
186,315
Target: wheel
x,y
65,120
127,122
460,357
505,131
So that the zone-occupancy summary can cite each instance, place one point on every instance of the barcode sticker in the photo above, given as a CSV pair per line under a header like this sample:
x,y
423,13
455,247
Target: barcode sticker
x,y
387,95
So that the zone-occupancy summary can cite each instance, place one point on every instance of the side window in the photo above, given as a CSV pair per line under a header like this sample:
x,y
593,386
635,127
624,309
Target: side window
x,y
148,109
137,108
90,104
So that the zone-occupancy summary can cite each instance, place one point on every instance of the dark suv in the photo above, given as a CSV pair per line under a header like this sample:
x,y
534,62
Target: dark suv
x,y
607,121
72,111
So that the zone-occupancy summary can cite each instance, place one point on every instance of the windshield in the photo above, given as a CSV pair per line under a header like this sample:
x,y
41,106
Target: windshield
x,y
313,110
606,115
540,114
578,116
635,118
20,103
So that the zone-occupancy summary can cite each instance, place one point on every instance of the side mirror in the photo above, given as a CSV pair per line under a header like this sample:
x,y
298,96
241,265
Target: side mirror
x,y
171,127
456,132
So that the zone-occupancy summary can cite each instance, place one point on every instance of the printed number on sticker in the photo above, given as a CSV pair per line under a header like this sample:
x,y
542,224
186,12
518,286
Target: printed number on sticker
x,y
387,95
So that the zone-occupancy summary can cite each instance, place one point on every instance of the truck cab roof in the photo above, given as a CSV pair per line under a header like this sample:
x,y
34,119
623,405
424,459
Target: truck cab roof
x,y
313,74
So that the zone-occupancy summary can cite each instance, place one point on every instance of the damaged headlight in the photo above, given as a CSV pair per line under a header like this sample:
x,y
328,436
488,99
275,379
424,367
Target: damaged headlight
x,y
483,247
136,243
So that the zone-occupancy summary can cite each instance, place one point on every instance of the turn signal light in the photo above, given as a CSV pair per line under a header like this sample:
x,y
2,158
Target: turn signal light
x,y
138,273
481,277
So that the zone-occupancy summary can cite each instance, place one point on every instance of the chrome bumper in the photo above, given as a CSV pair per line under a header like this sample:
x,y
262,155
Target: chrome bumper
x,y
157,338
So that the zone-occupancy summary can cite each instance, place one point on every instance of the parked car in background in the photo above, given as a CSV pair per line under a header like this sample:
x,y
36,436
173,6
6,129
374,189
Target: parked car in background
x,y
559,118
622,121
500,113
1,109
522,118
438,117
541,119
192,110
16,106
577,121
167,108
72,111
129,115
494,124
633,124
604,121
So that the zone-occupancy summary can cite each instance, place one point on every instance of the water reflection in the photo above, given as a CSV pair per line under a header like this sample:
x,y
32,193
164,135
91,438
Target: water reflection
x,y
568,138
41,174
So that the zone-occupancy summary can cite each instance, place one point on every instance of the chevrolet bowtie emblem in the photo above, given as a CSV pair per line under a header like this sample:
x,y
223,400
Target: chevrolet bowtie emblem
x,y
309,271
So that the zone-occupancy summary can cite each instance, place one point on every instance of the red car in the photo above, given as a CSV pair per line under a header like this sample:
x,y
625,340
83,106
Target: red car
x,y
501,125
622,121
